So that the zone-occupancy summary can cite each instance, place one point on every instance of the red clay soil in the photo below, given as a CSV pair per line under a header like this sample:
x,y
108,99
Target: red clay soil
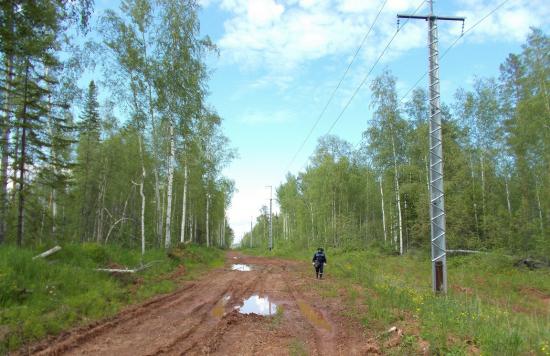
x,y
203,318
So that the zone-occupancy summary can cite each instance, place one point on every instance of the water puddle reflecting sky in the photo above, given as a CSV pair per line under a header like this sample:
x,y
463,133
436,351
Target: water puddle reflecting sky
x,y
240,267
258,305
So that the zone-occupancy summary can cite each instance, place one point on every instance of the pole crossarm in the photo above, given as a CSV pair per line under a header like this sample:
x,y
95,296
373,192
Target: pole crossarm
x,y
431,17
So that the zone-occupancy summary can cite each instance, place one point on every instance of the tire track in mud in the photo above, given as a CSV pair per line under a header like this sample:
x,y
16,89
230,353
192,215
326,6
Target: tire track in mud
x,y
66,341
323,340
212,330
177,322
128,319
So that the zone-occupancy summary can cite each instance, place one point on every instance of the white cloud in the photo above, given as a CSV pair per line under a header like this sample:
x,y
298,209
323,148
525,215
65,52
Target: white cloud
x,y
264,12
511,22
281,35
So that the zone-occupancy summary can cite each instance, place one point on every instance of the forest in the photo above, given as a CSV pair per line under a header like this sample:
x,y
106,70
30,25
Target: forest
x,y
108,138
496,142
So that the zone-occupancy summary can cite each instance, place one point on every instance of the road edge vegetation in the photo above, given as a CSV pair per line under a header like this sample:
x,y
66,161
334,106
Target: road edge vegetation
x,y
44,297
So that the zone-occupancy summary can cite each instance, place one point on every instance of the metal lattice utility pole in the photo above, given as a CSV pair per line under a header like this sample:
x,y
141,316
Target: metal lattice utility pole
x,y
437,201
270,218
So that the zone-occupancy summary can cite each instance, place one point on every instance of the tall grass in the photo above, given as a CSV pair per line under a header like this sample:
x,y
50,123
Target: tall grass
x,y
45,296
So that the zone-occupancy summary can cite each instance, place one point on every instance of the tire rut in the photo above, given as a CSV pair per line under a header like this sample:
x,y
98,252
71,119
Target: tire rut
x,y
216,329
67,341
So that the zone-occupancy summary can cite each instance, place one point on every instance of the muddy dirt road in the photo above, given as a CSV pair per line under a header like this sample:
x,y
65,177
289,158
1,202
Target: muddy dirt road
x,y
219,314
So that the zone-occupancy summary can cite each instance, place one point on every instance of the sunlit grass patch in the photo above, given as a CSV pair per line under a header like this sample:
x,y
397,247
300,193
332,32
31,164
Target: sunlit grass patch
x,y
472,317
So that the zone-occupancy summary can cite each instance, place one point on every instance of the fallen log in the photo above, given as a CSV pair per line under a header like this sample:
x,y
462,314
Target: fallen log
x,y
51,251
464,251
126,270
530,263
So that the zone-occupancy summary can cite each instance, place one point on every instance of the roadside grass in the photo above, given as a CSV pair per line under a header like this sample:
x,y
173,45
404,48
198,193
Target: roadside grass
x,y
46,296
491,307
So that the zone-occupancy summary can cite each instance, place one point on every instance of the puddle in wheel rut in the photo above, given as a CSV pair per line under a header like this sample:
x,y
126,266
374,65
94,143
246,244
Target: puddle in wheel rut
x,y
252,305
241,267
219,309
258,305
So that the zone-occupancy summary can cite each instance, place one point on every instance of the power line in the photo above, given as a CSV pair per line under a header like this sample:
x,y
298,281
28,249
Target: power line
x,y
338,86
463,34
369,72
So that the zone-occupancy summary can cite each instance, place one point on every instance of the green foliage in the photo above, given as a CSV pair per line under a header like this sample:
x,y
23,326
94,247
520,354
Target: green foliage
x,y
45,296
106,178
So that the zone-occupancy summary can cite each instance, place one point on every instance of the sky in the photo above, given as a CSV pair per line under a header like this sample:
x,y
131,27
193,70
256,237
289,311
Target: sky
x,y
280,61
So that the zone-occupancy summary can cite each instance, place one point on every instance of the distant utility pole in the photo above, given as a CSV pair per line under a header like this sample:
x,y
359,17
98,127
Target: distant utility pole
x,y
437,202
270,245
251,231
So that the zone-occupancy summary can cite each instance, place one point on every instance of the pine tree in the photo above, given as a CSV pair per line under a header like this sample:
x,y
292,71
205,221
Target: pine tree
x,y
89,166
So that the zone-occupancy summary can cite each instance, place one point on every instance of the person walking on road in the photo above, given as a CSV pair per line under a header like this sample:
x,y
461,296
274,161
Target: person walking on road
x,y
319,260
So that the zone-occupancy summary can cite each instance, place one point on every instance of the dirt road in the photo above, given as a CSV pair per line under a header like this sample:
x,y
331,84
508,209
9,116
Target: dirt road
x,y
213,316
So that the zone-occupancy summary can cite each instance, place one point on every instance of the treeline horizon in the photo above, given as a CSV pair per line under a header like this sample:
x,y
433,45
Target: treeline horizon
x,y
144,168
496,142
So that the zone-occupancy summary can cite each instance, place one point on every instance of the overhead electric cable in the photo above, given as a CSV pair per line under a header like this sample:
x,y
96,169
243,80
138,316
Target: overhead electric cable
x,y
369,72
337,86
463,34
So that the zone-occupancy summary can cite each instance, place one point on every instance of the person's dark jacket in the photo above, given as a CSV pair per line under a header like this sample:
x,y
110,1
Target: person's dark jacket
x,y
319,258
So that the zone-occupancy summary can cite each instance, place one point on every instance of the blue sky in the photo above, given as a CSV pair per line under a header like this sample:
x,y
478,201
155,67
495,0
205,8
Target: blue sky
x,y
280,60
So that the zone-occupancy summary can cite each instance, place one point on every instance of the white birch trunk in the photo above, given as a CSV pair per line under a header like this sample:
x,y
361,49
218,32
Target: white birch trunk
x,y
223,231
397,197
168,237
158,203
5,140
383,210
312,227
540,210
142,194
334,219
207,220
509,206
162,213
483,186
194,228
184,205
100,212
190,223
54,167
366,208
474,195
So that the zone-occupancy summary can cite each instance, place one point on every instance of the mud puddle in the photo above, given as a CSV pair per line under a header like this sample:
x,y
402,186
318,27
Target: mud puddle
x,y
314,316
241,267
258,305
219,309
